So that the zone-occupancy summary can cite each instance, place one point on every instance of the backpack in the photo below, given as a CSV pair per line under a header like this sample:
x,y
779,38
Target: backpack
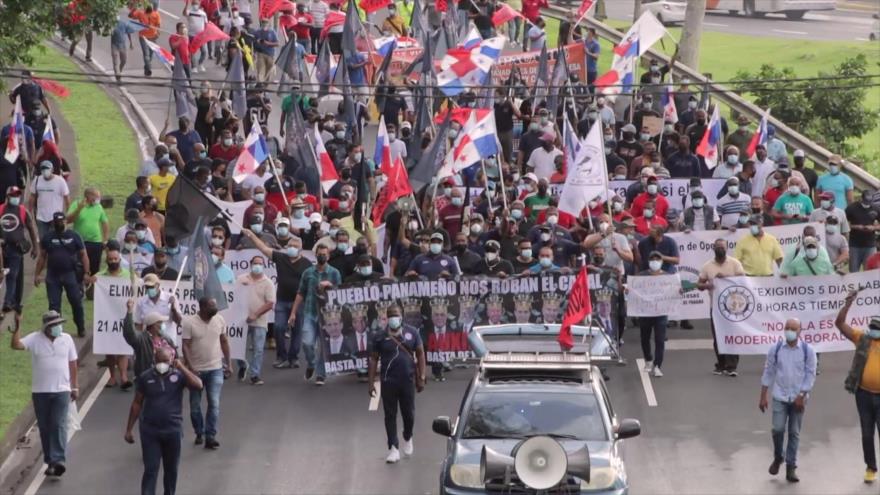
x,y
23,244
22,213
779,346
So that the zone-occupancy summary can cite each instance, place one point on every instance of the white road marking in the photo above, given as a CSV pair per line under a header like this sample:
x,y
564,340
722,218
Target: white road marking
x,y
688,344
646,383
86,406
374,400
803,33
862,39
169,14
714,24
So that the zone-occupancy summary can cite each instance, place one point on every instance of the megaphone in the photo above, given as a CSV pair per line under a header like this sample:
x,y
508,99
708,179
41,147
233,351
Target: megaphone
x,y
579,463
494,465
540,463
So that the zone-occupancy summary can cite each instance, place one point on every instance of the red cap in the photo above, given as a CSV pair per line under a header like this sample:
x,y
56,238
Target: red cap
x,y
13,191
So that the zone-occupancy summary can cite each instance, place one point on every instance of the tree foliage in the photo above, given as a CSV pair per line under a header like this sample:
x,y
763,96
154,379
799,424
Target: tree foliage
x,y
828,111
25,24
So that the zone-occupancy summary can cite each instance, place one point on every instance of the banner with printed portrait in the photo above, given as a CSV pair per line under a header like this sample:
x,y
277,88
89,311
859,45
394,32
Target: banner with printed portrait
x,y
442,310
113,293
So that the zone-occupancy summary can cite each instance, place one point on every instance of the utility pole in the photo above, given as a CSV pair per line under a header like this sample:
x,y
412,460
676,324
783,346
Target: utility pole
x,y
637,10
692,33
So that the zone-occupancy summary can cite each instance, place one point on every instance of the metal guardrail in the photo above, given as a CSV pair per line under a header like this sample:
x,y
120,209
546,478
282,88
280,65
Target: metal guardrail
x,y
793,139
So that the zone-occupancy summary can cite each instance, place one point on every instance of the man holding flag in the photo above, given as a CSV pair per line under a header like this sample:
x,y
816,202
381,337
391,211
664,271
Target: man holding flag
x,y
708,147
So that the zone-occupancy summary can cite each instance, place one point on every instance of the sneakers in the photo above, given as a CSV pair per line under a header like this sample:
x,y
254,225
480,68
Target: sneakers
x,y
199,440
408,447
774,467
281,364
649,366
732,374
657,373
791,475
55,470
211,444
255,380
310,372
718,372
870,475
393,455
201,68
242,372
319,382
686,325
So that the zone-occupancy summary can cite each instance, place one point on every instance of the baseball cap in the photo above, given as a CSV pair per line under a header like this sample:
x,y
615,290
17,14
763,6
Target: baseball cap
x,y
629,128
811,241
46,165
826,195
281,219
151,280
548,136
13,191
59,215
531,176
153,318
315,217
798,153
493,244
437,236
835,159
655,254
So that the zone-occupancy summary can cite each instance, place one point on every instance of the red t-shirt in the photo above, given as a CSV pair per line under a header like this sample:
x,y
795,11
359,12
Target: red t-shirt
x,y
643,225
180,47
531,9
873,262
210,7
565,220
660,205
228,154
302,26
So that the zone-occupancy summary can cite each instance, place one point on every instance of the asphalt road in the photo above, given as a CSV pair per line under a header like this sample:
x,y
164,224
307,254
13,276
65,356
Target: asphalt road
x,y
705,435
850,22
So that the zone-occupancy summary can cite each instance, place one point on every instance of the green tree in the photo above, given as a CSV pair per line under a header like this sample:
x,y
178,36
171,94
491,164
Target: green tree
x,y
25,24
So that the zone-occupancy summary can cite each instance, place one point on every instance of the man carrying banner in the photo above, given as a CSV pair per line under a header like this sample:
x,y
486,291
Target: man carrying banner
x,y
653,324
790,370
720,266
758,250
402,373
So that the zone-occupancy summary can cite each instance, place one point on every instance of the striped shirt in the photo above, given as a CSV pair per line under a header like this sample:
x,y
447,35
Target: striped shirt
x,y
730,207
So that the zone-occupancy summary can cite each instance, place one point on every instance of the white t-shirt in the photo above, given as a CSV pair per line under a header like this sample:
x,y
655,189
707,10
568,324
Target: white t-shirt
x,y
50,361
196,21
543,162
50,196
398,149
254,180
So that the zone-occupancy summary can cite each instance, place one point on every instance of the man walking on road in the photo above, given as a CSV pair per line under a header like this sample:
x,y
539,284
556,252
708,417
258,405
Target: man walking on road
x,y
863,380
53,385
206,352
720,266
402,374
158,403
63,254
790,370
260,300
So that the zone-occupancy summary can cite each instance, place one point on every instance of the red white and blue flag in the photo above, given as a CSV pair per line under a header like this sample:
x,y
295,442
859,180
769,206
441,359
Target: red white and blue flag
x,y
164,55
478,140
13,148
708,147
382,155
48,132
760,137
254,153
326,170
461,68
640,37
472,40
667,98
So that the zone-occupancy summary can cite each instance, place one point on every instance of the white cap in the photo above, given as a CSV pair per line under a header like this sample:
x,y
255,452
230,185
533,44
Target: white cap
x,y
315,217
531,176
798,153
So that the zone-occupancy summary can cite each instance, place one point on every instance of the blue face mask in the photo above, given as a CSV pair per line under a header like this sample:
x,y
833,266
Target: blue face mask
x,y
791,335
366,271
55,331
874,333
292,252
282,231
153,292
256,269
546,262
436,248
342,246
395,322
257,228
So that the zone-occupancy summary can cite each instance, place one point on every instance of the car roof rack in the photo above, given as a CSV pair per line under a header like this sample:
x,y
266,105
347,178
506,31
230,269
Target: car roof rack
x,y
535,346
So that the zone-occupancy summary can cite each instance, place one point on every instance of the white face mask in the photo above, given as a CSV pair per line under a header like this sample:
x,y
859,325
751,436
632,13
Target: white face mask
x,y
47,174
545,237
655,265
831,229
811,253
553,219
652,189
826,205
491,256
162,368
698,203
476,229
617,207
794,190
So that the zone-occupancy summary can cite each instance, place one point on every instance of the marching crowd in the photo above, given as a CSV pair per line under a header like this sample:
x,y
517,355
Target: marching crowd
x,y
507,223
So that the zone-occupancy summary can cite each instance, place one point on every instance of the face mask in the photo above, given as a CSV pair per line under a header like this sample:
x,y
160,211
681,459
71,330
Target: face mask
x,y
216,259
791,335
162,368
358,156
874,333
476,229
292,252
655,265
698,203
55,331
257,228
460,248
47,174
321,259
342,246
649,213
755,230
720,253
692,105
436,247
282,231
14,200
152,292
617,207
834,169
644,137
733,190
619,177
831,229
546,262
227,142
491,256
366,271
534,127
553,219
774,183
598,260
452,133
811,253
743,219
59,227
652,189
794,190
343,205
457,201
256,269
340,134
333,231
732,159
525,253
216,241
141,234
130,246
545,237
825,204
395,322
516,214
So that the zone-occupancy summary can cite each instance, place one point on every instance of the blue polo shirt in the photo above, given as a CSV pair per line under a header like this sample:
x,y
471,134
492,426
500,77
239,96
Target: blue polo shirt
x,y
397,366
163,399
592,64
666,246
62,251
432,265
185,143
265,35
838,184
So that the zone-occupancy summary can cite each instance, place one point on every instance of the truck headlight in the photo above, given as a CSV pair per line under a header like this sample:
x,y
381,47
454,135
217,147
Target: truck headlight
x,y
466,475
601,478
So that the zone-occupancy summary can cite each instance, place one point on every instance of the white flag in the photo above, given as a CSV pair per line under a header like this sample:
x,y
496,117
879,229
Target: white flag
x,y
647,30
234,210
586,177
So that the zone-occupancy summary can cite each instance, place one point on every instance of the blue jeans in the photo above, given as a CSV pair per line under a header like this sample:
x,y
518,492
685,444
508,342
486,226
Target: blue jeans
x,y
206,425
513,28
67,281
14,261
51,411
657,325
784,413
868,405
287,351
148,54
311,346
203,54
256,341
158,447
858,256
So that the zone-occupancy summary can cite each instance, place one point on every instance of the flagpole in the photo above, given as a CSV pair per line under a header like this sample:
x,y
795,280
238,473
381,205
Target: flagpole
x,y
486,183
179,274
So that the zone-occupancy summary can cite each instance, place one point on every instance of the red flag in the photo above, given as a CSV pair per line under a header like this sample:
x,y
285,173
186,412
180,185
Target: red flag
x,y
579,306
460,115
269,7
53,87
505,13
371,6
397,186
585,6
334,18
210,33
440,5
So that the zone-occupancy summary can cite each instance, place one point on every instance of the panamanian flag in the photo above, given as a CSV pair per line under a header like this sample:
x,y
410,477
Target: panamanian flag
x,y
708,147
462,69
478,140
254,153
164,55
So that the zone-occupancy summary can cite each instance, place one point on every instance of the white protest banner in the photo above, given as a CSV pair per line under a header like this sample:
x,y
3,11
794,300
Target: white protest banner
x,y
750,312
112,293
652,295
239,261
234,210
586,178
696,248
675,190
